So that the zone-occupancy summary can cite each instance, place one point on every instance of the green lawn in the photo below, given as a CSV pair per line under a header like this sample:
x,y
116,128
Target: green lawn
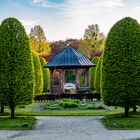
x,y
119,122
16,124
113,118
54,109
68,113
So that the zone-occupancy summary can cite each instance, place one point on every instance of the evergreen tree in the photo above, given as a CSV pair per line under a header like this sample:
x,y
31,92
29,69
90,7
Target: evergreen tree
x,y
120,71
46,75
38,74
92,71
97,76
16,66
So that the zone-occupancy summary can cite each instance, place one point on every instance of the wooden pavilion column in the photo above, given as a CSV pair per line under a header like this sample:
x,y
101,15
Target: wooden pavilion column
x,y
51,80
62,73
88,77
77,78
63,80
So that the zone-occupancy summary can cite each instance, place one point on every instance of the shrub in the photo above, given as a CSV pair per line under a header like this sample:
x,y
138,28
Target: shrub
x,y
101,67
92,71
91,106
46,75
16,66
120,71
94,106
38,74
97,75
69,103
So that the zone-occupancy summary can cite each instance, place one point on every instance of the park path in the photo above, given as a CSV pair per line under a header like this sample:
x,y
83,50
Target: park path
x,y
70,128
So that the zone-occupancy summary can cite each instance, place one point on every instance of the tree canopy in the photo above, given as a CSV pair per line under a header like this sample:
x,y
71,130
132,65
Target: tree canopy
x,y
38,74
92,71
120,84
96,38
16,66
97,75
92,32
38,41
46,75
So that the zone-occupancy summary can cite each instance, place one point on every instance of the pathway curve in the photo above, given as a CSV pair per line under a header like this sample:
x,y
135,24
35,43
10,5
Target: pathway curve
x,y
70,128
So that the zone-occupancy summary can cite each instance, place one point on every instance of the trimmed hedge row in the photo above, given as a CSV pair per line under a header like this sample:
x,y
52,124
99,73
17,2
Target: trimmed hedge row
x,y
46,75
38,74
97,76
79,96
92,71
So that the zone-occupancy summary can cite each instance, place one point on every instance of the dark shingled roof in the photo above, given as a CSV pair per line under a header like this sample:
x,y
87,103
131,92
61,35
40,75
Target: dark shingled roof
x,y
69,58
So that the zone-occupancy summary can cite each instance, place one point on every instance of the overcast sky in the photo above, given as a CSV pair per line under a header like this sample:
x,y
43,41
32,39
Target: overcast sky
x,y
62,19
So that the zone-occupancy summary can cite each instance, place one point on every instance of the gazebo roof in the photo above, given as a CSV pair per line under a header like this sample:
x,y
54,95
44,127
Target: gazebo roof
x,y
69,58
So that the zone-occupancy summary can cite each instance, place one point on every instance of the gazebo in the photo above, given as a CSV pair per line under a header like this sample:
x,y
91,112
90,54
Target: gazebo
x,y
69,61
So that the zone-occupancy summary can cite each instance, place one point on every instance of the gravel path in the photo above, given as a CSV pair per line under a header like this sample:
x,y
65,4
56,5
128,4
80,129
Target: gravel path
x,y
70,128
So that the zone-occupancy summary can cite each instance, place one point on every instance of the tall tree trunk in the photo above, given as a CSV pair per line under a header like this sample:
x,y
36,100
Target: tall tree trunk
x,y
2,109
126,111
134,109
12,108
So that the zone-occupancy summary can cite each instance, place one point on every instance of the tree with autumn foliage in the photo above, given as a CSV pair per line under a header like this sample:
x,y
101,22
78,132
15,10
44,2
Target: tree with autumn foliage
x,y
96,38
85,48
38,42
58,46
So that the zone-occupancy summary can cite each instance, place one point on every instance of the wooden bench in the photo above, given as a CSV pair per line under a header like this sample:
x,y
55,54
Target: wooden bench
x,y
84,89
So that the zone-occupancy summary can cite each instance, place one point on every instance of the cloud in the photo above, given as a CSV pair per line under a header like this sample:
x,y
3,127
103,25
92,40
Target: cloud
x,y
38,1
73,16
45,3
29,23
69,3
81,13
135,13
80,10
62,19
90,6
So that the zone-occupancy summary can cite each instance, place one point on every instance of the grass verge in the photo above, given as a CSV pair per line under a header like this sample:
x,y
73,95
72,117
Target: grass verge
x,y
69,112
119,122
27,111
17,123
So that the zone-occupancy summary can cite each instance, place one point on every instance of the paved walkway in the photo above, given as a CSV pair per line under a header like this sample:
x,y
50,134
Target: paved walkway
x,y
70,128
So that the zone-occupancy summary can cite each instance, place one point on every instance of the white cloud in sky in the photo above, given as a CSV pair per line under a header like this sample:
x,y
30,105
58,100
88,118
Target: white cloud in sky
x,y
135,12
106,3
28,24
45,3
63,19
38,1
73,16
78,14
85,10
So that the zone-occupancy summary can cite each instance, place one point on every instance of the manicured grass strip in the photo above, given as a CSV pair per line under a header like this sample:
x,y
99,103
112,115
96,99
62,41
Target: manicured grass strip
x,y
64,112
16,124
118,122
69,113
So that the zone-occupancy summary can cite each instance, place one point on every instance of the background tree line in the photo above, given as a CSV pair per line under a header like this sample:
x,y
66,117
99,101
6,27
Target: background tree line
x,y
91,45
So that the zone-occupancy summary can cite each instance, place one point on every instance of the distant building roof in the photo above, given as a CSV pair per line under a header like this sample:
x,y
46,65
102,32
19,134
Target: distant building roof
x,y
69,58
